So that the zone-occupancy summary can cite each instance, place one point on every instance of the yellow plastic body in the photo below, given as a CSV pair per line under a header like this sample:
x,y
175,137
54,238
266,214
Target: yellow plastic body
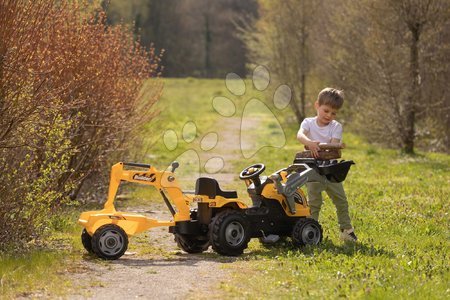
x,y
302,210
218,201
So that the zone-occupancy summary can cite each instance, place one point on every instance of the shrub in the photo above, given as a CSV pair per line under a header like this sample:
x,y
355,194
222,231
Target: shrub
x,y
70,96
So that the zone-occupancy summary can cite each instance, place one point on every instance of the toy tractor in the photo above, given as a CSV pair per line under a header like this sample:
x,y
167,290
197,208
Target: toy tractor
x,y
209,215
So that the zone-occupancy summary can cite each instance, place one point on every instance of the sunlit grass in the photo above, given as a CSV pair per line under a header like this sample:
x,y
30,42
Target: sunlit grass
x,y
400,210
398,204
36,271
41,271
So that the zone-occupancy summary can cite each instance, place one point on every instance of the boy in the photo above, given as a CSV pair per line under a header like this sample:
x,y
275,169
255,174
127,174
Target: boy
x,y
325,129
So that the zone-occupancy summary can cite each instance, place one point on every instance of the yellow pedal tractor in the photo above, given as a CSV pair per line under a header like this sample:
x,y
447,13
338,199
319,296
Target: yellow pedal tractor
x,y
208,215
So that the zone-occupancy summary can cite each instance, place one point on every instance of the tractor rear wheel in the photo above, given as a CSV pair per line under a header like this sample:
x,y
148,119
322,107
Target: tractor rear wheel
x,y
86,240
307,232
109,242
229,233
191,244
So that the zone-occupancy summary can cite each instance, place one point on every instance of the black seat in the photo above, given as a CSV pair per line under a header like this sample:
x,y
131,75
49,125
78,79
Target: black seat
x,y
210,187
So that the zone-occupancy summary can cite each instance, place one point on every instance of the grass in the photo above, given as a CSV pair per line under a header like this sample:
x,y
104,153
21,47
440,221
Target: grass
x,y
40,272
399,208
19,274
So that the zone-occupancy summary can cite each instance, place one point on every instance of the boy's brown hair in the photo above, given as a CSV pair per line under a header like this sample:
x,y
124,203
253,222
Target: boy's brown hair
x,y
332,97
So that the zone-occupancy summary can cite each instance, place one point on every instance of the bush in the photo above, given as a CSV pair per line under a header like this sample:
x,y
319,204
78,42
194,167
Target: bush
x,y
70,96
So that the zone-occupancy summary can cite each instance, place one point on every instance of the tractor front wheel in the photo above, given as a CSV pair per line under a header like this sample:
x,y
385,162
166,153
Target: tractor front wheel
x,y
109,242
229,233
191,244
307,232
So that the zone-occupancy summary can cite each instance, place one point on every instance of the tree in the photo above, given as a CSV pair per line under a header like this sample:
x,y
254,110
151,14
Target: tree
x,y
380,61
283,38
415,14
71,96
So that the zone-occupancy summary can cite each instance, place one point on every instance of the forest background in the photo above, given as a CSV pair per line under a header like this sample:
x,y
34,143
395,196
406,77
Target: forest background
x,y
390,57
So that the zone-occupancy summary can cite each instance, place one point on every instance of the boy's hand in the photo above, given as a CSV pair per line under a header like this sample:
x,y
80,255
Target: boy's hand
x,y
314,147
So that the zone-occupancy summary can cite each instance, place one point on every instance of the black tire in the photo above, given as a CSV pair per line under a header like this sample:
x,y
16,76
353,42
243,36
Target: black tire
x,y
86,240
191,244
229,233
307,232
109,242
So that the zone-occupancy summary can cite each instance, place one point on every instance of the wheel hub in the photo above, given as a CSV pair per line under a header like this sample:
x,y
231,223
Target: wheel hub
x,y
111,242
311,234
234,233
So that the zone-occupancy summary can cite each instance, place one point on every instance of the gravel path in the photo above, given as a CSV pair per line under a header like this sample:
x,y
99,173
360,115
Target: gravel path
x,y
157,270
154,268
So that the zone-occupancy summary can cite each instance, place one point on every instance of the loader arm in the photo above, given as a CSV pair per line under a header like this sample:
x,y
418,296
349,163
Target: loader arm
x,y
164,181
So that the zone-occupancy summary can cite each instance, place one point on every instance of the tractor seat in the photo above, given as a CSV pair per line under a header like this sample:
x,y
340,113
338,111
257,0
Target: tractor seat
x,y
210,187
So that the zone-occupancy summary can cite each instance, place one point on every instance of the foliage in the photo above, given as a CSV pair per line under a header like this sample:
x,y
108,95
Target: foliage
x,y
70,95
391,79
284,38
383,53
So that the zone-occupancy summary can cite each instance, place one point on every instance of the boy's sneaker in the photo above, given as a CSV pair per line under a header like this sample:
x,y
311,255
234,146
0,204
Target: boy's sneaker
x,y
348,235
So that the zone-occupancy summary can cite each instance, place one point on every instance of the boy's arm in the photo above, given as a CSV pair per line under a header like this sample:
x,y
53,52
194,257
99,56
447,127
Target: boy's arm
x,y
337,134
312,145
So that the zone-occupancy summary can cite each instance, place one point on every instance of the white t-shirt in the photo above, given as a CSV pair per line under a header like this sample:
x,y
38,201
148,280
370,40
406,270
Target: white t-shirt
x,y
322,134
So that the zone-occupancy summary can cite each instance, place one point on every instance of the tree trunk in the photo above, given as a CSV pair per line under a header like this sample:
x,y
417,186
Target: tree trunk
x,y
298,114
414,93
302,94
304,60
207,47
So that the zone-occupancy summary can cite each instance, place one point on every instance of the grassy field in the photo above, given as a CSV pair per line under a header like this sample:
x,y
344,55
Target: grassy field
x,y
399,207
40,271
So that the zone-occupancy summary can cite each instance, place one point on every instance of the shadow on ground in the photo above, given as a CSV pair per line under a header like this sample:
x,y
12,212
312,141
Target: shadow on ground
x,y
349,249
177,259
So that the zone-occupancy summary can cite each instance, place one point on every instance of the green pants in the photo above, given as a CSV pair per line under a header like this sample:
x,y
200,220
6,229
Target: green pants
x,y
335,190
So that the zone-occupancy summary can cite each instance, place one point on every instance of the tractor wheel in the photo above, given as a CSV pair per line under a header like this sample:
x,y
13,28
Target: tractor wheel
x,y
86,240
229,233
191,244
307,232
109,242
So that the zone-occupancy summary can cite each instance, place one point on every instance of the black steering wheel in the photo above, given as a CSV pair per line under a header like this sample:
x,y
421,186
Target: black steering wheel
x,y
252,172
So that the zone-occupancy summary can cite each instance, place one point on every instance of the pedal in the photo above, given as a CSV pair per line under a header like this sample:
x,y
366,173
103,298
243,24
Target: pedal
x,y
257,211
270,239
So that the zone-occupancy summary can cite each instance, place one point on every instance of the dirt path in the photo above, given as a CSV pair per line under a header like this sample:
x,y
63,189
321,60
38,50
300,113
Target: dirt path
x,y
154,268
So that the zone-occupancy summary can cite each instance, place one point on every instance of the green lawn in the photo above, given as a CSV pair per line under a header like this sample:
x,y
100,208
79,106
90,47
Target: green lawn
x,y
399,207
40,271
